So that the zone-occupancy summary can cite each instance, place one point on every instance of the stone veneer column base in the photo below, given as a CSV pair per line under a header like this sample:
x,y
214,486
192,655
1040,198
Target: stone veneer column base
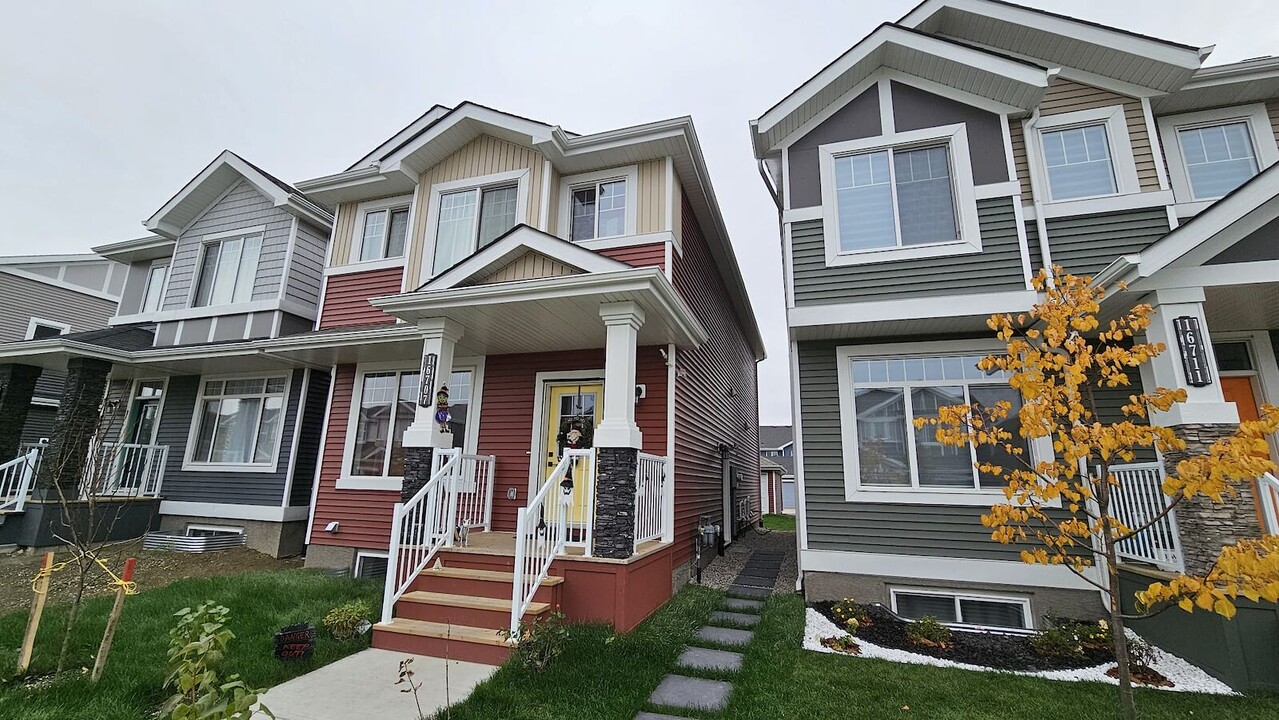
x,y
17,386
615,502
79,418
417,470
1205,526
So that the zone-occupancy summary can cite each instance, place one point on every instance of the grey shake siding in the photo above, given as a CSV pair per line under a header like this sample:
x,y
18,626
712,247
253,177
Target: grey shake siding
x,y
317,397
307,271
243,207
996,268
836,524
219,486
1085,244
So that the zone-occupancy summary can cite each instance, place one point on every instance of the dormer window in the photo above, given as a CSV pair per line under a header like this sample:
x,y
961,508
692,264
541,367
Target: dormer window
x,y
228,268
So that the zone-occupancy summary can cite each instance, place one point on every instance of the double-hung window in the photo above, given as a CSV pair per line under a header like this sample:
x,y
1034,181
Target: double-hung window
x,y
598,210
384,233
155,288
887,394
899,196
238,421
388,402
472,219
228,269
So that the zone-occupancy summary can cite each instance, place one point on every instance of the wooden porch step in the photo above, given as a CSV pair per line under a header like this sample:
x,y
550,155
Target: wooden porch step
x,y
484,575
469,610
492,584
456,642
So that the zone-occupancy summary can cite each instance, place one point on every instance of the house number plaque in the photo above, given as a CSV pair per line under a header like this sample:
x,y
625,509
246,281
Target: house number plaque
x,y
426,386
1194,356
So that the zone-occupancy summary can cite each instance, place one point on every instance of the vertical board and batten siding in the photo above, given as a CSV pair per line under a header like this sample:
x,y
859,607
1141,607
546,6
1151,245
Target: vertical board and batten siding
x,y
1066,96
648,255
1085,244
346,297
506,414
309,432
344,231
553,207
1272,110
716,400
836,524
996,268
1021,163
651,196
484,155
529,266
243,207
220,486
306,270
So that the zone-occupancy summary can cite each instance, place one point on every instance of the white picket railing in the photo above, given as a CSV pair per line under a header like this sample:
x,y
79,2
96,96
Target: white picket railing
x,y
1268,497
126,470
542,530
650,493
419,528
475,491
16,478
1135,502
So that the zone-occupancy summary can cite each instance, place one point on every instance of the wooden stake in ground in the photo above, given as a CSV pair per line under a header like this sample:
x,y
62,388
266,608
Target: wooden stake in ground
x,y
40,591
100,663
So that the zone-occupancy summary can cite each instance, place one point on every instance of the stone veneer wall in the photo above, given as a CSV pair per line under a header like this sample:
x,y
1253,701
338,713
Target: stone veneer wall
x,y
1205,526
17,386
615,502
74,426
417,471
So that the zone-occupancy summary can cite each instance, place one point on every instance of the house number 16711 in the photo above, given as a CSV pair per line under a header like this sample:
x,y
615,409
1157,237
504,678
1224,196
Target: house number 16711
x,y
1194,356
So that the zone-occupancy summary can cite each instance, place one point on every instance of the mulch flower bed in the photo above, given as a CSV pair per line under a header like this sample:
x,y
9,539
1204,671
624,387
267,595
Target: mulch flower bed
x,y
990,649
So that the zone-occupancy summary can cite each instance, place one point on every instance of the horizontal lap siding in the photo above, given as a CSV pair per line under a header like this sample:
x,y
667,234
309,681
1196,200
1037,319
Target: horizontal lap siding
x,y
1021,163
506,415
346,297
39,423
835,524
1065,96
1084,245
650,255
219,486
23,298
243,207
996,268
716,397
364,515
307,271
317,396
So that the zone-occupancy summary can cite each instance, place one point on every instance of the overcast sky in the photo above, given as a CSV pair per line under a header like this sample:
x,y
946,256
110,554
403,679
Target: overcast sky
x,y
108,108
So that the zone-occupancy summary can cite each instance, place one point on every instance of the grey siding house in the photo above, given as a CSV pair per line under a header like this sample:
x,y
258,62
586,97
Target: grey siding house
x,y
201,431
922,179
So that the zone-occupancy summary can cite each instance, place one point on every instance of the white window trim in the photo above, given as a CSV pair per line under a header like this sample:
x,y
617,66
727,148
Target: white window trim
x,y
361,555
854,491
164,285
205,241
1122,163
35,322
980,596
961,172
521,178
189,465
399,202
629,173
134,388
347,481
537,443
1260,132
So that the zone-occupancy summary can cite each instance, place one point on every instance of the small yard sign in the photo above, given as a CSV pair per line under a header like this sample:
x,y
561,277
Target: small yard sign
x,y
295,642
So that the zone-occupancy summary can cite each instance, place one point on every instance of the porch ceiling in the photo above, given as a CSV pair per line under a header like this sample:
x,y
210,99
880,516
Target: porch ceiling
x,y
1242,307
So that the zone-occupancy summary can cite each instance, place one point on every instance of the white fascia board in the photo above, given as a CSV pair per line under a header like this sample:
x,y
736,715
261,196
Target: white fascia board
x,y
231,511
159,222
1014,71
516,242
537,132
976,304
424,120
145,248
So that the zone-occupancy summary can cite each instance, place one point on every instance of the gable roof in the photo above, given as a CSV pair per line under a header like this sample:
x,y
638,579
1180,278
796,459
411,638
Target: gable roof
x,y
1014,83
214,180
516,242
772,437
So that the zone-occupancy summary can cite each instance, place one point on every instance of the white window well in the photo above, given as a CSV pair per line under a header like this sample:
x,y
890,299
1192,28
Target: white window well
x,y
469,215
1083,154
1212,152
381,229
227,269
963,608
599,205
899,196
238,423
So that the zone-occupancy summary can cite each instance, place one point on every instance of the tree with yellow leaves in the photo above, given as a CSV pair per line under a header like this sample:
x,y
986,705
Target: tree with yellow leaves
x,y
1057,356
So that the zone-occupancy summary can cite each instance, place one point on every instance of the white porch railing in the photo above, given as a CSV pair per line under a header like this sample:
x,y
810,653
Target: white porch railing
x,y
419,528
542,531
1268,497
650,494
16,478
475,491
126,470
1137,500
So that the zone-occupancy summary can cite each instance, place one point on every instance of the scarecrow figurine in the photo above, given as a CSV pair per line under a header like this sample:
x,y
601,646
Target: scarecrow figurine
x,y
442,415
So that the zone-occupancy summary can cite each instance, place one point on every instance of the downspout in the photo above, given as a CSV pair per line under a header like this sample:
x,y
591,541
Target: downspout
x,y
1041,225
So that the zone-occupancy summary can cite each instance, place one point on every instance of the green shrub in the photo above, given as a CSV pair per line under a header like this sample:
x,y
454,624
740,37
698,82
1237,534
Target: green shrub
x,y
1071,639
928,632
343,622
851,616
197,646
540,641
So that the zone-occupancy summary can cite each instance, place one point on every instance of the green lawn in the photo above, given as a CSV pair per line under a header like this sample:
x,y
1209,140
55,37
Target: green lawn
x,y
780,522
599,679
132,687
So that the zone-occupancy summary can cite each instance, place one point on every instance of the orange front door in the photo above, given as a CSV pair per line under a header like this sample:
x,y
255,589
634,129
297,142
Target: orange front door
x,y
1238,390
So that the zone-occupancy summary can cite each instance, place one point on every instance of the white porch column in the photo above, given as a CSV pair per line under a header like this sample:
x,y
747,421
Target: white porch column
x,y
617,429
1204,404
439,337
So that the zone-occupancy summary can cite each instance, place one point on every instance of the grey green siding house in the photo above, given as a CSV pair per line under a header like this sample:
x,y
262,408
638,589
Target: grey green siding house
x,y
922,179
197,430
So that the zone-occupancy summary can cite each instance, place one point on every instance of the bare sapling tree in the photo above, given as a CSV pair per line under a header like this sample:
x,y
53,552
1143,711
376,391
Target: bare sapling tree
x,y
1062,510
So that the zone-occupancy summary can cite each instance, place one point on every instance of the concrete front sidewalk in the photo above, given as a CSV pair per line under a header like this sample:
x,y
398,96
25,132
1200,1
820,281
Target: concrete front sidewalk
x,y
363,686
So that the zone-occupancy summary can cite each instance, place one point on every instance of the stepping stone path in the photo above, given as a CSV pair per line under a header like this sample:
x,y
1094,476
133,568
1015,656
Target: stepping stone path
x,y
740,609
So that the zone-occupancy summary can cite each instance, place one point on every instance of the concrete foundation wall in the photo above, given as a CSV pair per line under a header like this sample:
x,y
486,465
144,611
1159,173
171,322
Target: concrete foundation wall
x,y
330,557
42,523
277,539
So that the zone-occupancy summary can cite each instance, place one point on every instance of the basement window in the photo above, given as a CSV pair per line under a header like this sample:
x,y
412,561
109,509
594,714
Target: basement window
x,y
968,609
370,566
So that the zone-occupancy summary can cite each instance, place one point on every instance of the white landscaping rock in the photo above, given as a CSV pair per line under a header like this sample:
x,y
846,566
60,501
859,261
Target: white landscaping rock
x,y
1185,677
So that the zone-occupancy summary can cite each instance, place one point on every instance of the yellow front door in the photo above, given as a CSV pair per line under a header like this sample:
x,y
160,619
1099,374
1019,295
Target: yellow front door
x,y
573,412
